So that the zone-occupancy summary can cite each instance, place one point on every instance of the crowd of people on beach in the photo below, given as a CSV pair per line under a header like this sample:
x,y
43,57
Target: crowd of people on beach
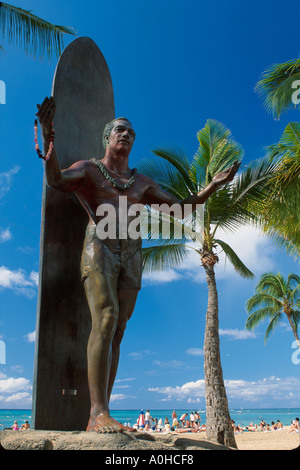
x,y
15,427
191,422
187,422
265,427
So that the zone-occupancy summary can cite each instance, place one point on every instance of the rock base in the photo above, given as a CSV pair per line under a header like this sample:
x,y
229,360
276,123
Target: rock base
x,y
78,440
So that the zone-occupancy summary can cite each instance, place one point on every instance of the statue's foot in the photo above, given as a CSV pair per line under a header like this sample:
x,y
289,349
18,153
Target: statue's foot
x,y
103,423
125,428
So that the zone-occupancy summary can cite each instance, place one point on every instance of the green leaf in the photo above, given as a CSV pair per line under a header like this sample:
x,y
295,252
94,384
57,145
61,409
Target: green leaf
x,y
163,257
237,263
33,34
276,86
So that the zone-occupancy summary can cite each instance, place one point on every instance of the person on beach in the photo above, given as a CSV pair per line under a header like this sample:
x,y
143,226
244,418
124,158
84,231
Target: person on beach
x,y
294,426
183,418
197,419
147,418
15,426
111,268
25,426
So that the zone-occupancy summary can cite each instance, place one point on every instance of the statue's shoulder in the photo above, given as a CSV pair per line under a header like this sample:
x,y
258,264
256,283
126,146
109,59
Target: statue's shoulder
x,y
83,164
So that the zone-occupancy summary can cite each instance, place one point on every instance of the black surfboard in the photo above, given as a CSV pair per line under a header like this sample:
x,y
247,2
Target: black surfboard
x,y
82,89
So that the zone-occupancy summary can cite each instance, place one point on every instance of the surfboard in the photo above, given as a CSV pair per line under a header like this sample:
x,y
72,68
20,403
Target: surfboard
x,y
82,89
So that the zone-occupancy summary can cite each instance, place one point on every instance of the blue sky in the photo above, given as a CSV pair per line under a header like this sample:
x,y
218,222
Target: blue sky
x,y
174,65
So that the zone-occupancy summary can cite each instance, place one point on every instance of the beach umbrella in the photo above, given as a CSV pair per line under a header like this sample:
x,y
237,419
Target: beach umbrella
x,y
141,420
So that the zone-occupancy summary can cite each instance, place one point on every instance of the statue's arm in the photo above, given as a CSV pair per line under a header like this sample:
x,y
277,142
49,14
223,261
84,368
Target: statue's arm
x,y
156,195
64,180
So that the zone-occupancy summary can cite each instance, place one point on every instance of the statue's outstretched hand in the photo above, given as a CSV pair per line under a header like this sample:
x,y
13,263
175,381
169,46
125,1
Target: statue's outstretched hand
x,y
227,175
45,115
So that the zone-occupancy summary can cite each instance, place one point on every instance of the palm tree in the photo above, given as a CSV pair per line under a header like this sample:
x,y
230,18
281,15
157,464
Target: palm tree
x,y
278,86
279,213
275,298
227,209
33,34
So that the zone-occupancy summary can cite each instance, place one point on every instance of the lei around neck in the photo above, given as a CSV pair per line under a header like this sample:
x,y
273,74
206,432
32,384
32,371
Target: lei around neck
x,y
114,182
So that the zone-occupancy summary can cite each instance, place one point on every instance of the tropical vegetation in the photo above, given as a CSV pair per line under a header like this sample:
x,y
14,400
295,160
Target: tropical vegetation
x,y
279,87
279,214
275,299
33,34
228,209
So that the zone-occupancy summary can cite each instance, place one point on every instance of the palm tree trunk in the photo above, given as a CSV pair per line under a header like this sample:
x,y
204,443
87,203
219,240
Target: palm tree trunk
x,y
218,423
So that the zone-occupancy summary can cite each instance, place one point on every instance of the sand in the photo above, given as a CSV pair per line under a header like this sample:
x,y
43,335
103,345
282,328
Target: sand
x,y
258,440
267,440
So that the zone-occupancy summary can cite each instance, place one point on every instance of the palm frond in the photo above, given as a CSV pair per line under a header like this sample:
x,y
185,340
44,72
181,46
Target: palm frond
x,y
33,34
171,178
163,257
217,150
273,323
276,86
179,161
258,316
236,262
273,284
264,299
239,202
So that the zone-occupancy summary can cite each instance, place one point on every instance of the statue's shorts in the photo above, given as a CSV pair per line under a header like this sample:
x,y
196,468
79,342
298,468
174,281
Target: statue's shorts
x,y
118,259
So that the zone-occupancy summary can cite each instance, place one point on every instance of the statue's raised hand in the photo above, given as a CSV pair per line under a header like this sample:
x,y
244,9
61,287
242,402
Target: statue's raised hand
x,y
45,115
227,175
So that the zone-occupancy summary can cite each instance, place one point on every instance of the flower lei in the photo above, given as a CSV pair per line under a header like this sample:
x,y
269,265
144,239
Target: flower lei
x,y
37,148
115,183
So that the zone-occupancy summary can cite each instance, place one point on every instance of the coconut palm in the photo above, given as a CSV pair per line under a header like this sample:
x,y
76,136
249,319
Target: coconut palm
x,y
279,213
36,36
226,210
275,298
279,87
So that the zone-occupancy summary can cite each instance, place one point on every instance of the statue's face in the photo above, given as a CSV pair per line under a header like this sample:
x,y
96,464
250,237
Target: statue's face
x,y
122,136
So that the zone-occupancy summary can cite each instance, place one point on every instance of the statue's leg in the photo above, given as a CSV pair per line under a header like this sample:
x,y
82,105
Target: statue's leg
x,y
127,300
104,307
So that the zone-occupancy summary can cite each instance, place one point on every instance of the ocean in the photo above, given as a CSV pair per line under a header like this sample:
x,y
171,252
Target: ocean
x,y
241,417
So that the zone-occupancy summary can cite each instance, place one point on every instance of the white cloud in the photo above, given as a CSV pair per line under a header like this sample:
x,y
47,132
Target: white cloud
x,y
252,247
188,391
237,334
30,337
11,385
138,355
272,389
195,351
119,396
15,393
18,281
5,235
174,364
250,244
161,277
34,277
125,380
6,178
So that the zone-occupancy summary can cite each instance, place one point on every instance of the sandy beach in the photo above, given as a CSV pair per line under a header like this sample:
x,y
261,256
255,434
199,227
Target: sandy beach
x,y
267,440
258,440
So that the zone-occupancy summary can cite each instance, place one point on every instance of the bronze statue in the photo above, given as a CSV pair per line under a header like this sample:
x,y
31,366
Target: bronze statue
x,y
111,268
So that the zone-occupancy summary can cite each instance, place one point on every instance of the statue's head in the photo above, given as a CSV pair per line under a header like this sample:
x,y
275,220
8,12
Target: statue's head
x,y
108,128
